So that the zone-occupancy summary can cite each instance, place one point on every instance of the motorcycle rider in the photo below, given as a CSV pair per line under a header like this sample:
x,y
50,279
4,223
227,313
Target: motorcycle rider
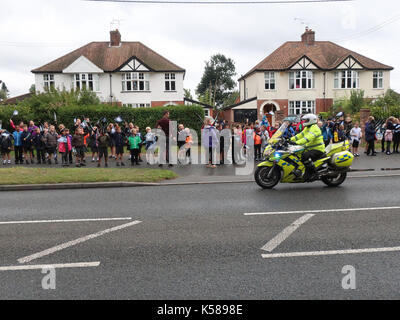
x,y
311,138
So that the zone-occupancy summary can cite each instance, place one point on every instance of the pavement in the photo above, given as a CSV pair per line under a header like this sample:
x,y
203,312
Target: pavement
x,y
214,241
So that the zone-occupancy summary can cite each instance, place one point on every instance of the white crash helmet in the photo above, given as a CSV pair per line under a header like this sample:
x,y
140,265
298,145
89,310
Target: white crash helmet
x,y
309,119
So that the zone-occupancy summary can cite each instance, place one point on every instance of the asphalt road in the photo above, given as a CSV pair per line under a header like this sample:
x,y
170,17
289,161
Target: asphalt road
x,y
195,242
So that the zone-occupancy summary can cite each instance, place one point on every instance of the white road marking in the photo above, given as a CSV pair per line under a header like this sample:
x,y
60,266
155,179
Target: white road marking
x,y
321,211
74,242
331,252
61,221
56,266
285,233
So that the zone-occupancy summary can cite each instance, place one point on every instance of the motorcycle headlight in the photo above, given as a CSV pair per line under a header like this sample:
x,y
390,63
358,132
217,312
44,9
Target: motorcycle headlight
x,y
277,155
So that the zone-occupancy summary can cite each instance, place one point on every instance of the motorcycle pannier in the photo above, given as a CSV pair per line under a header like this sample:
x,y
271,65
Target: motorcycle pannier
x,y
342,159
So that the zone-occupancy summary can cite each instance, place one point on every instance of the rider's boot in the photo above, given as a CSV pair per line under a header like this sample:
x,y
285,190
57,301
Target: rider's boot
x,y
310,171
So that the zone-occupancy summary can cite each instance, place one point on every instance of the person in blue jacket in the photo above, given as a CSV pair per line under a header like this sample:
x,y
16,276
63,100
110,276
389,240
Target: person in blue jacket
x,y
327,132
18,145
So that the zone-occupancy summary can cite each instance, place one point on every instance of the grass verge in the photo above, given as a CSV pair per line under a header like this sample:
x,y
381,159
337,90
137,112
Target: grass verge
x,y
22,175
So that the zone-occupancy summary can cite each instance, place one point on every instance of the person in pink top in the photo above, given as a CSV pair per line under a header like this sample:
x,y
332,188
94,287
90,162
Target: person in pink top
x,y
65,146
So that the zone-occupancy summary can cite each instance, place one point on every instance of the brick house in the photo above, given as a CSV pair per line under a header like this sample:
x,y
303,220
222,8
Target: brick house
x,y
306,76
127,73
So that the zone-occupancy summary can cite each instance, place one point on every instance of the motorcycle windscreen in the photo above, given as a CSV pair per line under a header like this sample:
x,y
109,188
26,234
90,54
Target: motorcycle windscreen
x,y
275,138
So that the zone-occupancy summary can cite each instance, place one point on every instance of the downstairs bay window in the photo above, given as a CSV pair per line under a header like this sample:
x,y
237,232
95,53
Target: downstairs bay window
x,y
301,107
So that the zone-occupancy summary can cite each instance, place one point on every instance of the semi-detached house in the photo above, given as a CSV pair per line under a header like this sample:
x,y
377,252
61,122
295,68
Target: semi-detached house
x,y
128,73
306,76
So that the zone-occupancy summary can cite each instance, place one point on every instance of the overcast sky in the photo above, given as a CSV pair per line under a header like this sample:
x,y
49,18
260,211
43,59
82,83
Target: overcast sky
x,y
35,32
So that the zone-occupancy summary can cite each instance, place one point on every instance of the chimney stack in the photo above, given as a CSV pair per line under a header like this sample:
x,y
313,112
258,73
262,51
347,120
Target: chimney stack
x,y
115,38
308,37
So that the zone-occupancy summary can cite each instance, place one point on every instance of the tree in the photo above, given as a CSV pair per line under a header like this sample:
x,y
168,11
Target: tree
x,y
231,99
32,89
217,81
187,94
3,91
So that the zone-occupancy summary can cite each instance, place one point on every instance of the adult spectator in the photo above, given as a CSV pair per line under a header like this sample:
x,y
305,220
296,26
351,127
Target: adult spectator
x,y
389,134
210,142
163,124
370,136
50,140
396,135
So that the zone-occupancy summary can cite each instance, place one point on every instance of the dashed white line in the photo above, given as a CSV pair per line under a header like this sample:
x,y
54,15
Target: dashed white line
x,y
331,252
320,211
74,242
63,221
285,233
56,266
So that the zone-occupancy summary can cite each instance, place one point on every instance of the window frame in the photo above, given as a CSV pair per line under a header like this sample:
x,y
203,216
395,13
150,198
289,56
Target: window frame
x,y
377,80
342,79
170,82
135,82
302,106
91,81
304,78
48,81
269,81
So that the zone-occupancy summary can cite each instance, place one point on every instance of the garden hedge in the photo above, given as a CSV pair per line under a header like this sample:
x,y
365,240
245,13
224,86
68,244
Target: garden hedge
x,y
190,116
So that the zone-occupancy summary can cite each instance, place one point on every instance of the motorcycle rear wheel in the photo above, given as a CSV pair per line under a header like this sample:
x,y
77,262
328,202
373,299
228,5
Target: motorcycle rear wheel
x,y
335,181
263,181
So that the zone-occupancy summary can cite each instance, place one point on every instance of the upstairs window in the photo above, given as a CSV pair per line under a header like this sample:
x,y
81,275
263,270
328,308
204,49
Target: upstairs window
x,y
301,80
170,82
346,79
378,80
134,81
269,80
86,81
48,82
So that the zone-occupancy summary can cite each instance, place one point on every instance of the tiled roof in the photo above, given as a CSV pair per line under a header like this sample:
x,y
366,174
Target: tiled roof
x,y
110,59
325,55
15,100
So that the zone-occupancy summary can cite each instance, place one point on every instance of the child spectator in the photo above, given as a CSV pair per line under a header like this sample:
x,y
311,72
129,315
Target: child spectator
x,y
79,145
6,142
341,133
18,145
103,142
119,139
26,139
38,142
93,144
134,142
65,146
355,135
189,142
257,144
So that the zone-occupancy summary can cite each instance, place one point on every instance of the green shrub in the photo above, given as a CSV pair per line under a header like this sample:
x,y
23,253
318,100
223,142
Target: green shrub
x,y
190,116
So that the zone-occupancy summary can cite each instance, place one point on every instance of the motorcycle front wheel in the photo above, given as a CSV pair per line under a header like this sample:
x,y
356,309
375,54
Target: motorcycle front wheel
x,y
261,177
335,181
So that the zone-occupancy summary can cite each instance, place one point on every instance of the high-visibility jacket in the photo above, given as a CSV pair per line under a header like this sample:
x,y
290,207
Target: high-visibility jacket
x,y
311,138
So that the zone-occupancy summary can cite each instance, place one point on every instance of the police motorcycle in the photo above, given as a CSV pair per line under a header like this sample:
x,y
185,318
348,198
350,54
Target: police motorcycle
x,y
282,162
